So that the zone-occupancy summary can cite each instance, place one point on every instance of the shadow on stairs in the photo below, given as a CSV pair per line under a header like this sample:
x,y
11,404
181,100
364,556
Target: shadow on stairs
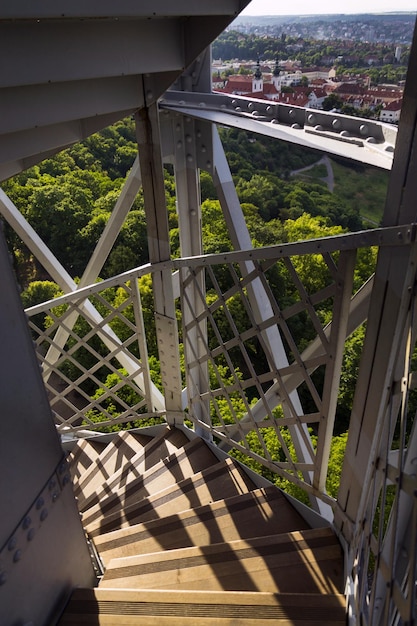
x,y
186,538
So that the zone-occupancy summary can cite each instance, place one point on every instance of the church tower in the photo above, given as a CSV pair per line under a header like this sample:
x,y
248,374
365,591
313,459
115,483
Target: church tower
x,y
276,76
257,80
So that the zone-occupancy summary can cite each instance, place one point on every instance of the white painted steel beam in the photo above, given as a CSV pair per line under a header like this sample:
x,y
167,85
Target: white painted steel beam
x,y
149,143
261,306
60,50
387,325
187,186
98,258
67,284
78,67
109,235
21,150
51,9
63,102
368,142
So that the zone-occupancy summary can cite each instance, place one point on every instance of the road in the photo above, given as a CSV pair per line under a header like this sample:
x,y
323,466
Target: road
x,y
329,179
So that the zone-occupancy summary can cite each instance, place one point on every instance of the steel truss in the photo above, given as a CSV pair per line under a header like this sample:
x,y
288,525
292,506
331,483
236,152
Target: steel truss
x,y
222,395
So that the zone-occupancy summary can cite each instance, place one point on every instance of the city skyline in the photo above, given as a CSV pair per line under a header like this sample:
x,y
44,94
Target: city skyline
x,y
303,7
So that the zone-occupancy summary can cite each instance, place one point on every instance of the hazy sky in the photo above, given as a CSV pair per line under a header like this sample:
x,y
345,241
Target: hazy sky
x,y
304,7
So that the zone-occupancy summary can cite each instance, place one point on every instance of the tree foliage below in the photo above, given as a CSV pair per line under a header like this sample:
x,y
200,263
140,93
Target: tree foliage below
x,y
69,199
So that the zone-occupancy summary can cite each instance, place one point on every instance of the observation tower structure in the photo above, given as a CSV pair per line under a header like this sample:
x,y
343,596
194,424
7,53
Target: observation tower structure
x,y
103,523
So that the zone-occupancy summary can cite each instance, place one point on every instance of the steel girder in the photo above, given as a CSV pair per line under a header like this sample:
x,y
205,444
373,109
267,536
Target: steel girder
x,y
76,68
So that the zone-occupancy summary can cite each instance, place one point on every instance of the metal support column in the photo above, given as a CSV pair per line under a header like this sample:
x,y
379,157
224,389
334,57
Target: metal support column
x,y
382,371
189,218
148,135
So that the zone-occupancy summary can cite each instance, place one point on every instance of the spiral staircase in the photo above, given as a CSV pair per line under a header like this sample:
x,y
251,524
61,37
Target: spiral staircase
x,y
182,536
160,525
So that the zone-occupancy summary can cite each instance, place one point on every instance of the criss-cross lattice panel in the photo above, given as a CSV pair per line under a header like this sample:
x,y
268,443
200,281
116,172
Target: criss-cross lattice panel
x,y
383,550
94,358
264,341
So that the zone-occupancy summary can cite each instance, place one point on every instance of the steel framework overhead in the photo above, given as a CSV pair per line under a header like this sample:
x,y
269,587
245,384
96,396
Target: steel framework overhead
x,y
91,65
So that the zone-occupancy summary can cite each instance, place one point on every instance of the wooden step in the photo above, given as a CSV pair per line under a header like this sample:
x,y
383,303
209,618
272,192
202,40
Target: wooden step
x,y
160,447
82,456
108,607
222,480
308,561
258,513
191,458
113,458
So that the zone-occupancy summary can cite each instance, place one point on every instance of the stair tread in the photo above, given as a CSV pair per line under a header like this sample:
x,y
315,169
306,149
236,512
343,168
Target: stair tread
x,y
205,607
183,463
97,485
82,456
113,458
309,560
224,479
259,512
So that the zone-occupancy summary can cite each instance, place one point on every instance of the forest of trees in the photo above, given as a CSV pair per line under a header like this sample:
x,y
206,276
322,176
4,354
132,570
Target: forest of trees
x,y
68,199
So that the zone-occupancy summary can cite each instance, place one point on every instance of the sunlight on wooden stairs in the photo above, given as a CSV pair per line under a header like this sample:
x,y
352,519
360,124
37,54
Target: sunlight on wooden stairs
x,y
186,538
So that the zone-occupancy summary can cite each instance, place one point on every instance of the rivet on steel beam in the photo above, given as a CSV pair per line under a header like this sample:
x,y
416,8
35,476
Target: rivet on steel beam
x,y
39,503
336,123
62,468
292,113
311,119
238,109
149,95
345,133
203,149
55,496
17,556
208,164
179,144
193,212
3,578
66,480
52,484
199,133
363,129
31,534
250,106
189,158
178,127
26,522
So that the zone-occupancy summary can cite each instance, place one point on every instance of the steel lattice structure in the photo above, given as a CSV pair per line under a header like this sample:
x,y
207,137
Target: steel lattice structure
x,y
375,514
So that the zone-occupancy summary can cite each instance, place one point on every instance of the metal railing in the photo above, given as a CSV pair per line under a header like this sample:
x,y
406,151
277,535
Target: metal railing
x,y
106,372
273,408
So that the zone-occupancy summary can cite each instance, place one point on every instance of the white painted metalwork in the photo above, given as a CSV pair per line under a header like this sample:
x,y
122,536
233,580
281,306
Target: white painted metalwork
x,y
108,61
367,141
